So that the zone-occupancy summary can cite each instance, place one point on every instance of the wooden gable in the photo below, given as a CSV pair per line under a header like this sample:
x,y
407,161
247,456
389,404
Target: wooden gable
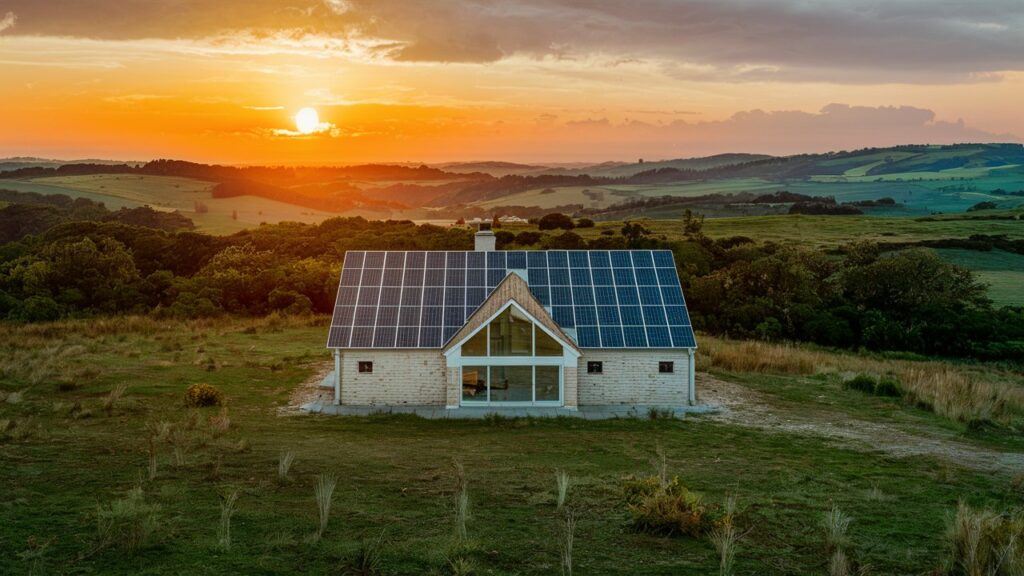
x,y
514,288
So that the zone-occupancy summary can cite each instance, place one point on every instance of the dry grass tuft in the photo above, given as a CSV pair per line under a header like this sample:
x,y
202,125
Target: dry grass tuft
x,y
461,504
284,464
227,510
984,543
110,400
562,482
962,393
220,423
567,539
129,523
323,490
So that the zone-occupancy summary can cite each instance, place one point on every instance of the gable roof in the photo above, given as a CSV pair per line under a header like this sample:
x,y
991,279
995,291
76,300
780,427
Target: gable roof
x,y
512,289
610,298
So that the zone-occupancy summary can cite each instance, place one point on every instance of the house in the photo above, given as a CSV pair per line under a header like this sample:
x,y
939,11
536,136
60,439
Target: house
x,y
556,329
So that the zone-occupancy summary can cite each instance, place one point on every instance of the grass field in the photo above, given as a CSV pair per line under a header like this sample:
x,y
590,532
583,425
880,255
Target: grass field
x,y
395,474
1003,271
224,215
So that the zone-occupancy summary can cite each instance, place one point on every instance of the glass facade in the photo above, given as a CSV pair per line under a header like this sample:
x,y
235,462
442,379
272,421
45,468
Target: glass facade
x,y
513,361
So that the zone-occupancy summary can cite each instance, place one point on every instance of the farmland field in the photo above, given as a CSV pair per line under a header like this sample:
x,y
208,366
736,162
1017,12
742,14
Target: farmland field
x,y
1003,271
171,193
395,474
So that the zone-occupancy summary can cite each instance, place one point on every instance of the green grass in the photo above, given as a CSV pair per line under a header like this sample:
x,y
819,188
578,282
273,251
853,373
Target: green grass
x,y
395,473
1002,271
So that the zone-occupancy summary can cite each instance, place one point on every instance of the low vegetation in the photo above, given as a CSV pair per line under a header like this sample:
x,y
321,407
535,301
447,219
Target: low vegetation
x,y
398,473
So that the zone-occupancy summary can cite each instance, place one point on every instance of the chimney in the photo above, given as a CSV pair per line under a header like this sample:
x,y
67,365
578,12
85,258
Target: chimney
x,y
484,239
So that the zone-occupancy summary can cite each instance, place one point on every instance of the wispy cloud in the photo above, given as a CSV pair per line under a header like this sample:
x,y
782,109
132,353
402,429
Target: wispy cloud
x,y
7,21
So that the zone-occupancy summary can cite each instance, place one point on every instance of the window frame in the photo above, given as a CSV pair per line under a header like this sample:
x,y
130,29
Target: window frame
x,y
365,366
592,364
666,367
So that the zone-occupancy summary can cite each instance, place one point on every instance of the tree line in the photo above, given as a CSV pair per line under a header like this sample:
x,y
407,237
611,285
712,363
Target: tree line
x,y
862,296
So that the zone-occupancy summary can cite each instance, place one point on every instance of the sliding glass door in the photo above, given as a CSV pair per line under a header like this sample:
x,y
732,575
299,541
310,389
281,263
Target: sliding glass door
x,y
520,384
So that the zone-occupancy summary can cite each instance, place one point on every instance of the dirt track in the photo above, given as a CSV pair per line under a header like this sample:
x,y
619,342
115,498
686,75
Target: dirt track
x,y
743,406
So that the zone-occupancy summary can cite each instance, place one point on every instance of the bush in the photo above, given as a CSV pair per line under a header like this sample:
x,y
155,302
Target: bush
x,y
664,509
129,523
555,220
888,387
983,542
861,383
200,395
528,238
584,223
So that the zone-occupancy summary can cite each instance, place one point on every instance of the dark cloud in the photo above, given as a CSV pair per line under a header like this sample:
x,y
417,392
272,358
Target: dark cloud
x,y
842,41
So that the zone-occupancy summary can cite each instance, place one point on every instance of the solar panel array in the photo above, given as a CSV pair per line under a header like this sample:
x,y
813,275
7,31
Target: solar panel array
x,y
610,298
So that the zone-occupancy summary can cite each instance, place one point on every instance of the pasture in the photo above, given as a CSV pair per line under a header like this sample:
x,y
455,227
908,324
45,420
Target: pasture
x,y
72,449
221,215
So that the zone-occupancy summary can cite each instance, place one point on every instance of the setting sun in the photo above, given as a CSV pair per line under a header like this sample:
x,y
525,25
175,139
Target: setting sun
x,y
307,121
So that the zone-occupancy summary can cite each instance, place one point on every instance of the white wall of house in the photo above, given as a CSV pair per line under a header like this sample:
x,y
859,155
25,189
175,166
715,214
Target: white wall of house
x,y
413,377
421,378
632,377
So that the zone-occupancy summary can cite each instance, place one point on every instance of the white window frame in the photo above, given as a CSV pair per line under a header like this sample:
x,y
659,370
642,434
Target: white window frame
x,y
455,361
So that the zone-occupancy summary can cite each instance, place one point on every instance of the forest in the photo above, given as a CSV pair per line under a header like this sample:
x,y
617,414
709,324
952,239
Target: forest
x,y
85,261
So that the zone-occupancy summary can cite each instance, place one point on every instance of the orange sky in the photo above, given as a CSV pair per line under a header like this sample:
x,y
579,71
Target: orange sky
x,y
533,81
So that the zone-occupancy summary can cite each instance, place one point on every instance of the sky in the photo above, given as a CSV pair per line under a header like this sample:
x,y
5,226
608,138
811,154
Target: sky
x,y
537,81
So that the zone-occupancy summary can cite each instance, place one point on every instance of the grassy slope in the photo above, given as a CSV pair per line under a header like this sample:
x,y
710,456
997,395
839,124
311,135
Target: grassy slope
x,y
1003,271
172,193
395,473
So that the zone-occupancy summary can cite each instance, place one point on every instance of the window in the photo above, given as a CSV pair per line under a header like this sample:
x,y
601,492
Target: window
x,y
595,367
666,367
366,367
511,334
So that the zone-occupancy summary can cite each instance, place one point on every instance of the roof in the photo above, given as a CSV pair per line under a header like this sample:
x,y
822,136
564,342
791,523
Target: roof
x,y
512,290
601,298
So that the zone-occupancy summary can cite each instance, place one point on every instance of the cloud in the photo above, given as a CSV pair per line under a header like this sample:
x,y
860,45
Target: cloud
x,y
851,41
8,21
834,127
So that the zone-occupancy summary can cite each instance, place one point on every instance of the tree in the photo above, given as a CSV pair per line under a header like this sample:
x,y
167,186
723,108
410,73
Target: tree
x,y
554,221
634,234
692,224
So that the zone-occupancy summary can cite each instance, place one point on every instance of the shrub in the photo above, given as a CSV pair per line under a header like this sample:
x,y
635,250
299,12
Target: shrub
x,y
889,387
128,523
584,223
982,542
200,395
861,383
554,221
664,508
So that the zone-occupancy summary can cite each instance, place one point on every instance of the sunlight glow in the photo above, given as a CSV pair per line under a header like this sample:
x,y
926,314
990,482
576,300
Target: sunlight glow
x,y
307,121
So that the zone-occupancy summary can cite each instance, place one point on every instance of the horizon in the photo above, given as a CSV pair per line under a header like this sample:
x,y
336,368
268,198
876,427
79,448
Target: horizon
x,y
457,162
542,81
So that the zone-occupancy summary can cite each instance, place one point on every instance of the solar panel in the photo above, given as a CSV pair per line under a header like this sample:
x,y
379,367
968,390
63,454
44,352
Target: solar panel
x,y
612,299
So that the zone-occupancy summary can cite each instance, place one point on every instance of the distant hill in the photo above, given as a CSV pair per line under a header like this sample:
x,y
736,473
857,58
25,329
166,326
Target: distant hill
x,y
17,162
494,168
622,170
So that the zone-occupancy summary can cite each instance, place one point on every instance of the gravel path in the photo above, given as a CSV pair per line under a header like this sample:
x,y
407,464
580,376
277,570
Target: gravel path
x,y
746,407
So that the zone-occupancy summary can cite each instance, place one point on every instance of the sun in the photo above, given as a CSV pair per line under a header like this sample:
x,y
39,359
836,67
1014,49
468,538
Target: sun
x,y
307,121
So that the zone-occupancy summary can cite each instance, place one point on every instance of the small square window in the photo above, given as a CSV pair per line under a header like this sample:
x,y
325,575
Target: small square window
x,y
595,368
366,367
666,367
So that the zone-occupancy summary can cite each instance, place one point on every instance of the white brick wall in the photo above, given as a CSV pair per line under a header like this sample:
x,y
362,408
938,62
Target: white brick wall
x,y
419,377
415,377
632,377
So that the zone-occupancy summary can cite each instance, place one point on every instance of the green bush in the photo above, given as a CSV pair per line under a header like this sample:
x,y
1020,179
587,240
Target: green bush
x,y
128,523
861,383
664,508
200,395
888,387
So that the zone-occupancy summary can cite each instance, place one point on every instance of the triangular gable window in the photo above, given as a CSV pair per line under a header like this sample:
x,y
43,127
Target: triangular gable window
x,y
511,333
